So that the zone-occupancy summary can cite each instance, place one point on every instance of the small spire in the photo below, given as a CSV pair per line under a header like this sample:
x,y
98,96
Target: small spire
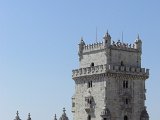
x,y
107,32
64,110
81,41
17,113
107,35
55,117
17,116
81,38
64,116
138,37
29,116
138,40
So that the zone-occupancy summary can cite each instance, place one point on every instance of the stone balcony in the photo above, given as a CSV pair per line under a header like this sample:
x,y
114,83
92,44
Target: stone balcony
x,y
101,69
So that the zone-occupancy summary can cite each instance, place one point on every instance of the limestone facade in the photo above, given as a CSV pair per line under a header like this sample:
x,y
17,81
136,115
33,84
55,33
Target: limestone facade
x,y
110,82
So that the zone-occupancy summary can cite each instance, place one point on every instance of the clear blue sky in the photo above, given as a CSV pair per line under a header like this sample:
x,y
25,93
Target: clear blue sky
x,y
38,49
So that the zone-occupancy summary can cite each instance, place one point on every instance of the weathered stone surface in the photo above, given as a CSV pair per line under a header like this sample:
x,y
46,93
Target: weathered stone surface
x,y
110,83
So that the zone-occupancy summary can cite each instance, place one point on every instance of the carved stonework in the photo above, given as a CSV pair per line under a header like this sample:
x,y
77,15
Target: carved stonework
x,y
111,72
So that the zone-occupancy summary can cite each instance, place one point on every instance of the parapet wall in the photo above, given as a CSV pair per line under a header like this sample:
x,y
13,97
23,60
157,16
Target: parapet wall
x,y
92,47
109,68
123,46
114,45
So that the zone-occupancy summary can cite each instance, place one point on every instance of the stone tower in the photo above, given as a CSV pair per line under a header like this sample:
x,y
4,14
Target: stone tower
x,y
110,82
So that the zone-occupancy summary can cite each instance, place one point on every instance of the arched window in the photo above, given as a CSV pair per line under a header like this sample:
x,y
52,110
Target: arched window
x,y
125,117
89,84
125,84
122,64
92,64
126,101
89,117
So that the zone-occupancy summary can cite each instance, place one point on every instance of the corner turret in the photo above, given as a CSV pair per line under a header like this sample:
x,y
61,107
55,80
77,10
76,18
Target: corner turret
x,y
81,47
138,44
55,118
17,116
29,116
107,39
64,116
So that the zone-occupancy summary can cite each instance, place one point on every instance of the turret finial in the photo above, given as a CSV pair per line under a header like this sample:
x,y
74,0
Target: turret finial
x,y
138,38
107,33
81,38
64,116
55,117
81,41
17,116
29,116
64,110
17,113
107,39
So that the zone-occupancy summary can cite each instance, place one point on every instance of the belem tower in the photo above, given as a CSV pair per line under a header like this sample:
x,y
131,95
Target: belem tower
x,y
110,82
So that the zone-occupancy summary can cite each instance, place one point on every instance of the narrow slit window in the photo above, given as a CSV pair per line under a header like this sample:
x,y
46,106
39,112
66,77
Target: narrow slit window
x,y
92,64
126,101
126,84
125,117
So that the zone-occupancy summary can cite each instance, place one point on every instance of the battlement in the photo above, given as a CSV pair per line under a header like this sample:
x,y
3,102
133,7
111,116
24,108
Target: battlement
x,y
92,47
136,46
100,69
124,46
89,71
128,70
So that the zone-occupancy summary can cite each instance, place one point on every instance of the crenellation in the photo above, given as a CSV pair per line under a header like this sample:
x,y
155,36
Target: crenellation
x,y
123,46
93,47
109,68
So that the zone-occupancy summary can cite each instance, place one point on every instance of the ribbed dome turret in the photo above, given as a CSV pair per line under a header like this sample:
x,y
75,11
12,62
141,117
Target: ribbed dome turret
x,y
64,116
29,116
17,116
55,118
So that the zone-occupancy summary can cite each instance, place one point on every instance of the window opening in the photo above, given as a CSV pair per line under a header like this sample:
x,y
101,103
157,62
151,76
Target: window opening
x,y
89,84
89,117
126,101
73,104
126,84
92,64
125,117
123,84
122,64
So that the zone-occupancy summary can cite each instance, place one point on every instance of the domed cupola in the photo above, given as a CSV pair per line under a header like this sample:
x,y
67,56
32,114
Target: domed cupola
x,y
55,117
64,116
29,116
144,115
17,116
